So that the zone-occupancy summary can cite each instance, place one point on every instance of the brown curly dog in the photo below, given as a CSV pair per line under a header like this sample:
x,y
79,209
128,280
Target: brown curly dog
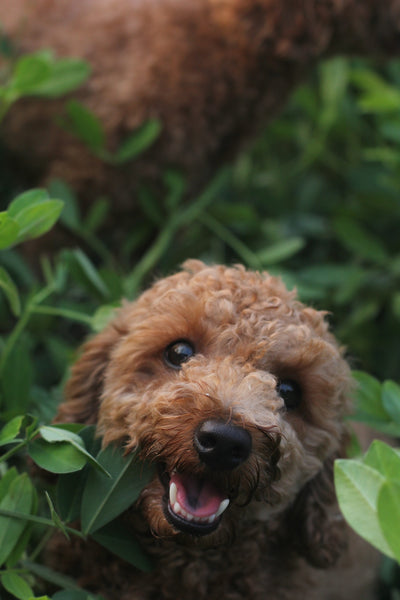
x,y
237,392
212,71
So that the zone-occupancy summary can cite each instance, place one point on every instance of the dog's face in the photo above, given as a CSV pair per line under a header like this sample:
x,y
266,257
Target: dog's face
x,y
233,388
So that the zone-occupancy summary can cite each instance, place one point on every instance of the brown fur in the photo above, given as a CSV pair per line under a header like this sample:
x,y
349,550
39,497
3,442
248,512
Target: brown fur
x,y
213,71
282,525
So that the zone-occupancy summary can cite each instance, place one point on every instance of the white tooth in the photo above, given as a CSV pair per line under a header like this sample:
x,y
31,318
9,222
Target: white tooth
x,y
173,490
189,517
177,508
222,507
212,518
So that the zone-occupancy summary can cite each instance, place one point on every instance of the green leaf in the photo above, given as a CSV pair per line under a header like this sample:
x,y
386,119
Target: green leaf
x,y
69,489
368,396
10,290
103,316
34,213
63,434
16,388
391,400
6,480
389,515
87,272
105,498
16,585
357,489
10,430
119,541
61,457
19,499
383,459
86,126
65,75
138,142
359,241
8,230
281,251
30,71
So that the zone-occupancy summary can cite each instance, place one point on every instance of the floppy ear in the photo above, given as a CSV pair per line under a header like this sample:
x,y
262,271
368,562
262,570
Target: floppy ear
x,y
315,522
85,385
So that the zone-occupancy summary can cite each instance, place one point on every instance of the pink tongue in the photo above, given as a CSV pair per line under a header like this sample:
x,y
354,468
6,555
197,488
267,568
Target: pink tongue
x,y
197,496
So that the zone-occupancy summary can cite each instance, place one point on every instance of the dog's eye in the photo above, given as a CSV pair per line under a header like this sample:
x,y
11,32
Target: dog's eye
x,y
177,353
290,392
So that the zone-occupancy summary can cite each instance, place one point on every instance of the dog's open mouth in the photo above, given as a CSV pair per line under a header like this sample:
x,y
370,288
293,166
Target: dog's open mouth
x,y
194,505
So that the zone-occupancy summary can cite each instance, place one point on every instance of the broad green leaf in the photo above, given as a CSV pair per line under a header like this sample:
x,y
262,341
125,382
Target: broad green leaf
x,y
281,251
86,125
19,499
63,433
37,219
22,543
69,491
8,230
383,459
105,498
65,75
391,400
10,430
60,457
138,142
29,72
70,486
368,396
357,489
16,585
389,515
6,480
15,388
11,292
116,538
27,200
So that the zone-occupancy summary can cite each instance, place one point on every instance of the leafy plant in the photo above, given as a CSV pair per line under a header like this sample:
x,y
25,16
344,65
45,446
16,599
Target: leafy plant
x,y
40,74
368,488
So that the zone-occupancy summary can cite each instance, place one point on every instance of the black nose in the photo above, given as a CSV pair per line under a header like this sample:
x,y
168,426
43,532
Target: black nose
x,y
222,446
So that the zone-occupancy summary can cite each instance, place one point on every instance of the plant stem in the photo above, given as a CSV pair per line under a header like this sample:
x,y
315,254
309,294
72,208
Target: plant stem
x,y
39,520
13,451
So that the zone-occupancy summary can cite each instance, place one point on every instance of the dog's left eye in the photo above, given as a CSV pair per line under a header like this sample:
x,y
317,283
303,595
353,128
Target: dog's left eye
x,y
177,353
290,392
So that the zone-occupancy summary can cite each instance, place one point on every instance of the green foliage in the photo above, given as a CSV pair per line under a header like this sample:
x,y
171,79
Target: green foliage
x,y
40,74
314,200
85,125
368,488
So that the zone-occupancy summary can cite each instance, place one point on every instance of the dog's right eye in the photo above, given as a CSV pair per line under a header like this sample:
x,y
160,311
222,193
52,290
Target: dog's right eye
x,y
290,392
178,353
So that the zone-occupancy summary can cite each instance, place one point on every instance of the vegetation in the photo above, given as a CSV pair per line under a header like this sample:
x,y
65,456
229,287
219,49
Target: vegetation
x,y
315,200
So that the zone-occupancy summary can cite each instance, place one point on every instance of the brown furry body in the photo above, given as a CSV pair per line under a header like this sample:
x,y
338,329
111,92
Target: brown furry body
x,y
281,536
212,71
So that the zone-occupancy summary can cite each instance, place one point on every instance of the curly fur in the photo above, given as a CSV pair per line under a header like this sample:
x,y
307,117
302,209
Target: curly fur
x,y
213,71
281,526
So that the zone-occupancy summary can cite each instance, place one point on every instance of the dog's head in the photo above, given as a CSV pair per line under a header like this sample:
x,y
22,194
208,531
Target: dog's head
x,y
235,390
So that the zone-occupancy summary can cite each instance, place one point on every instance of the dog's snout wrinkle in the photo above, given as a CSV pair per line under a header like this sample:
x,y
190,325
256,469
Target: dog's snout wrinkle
x,y
222,446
